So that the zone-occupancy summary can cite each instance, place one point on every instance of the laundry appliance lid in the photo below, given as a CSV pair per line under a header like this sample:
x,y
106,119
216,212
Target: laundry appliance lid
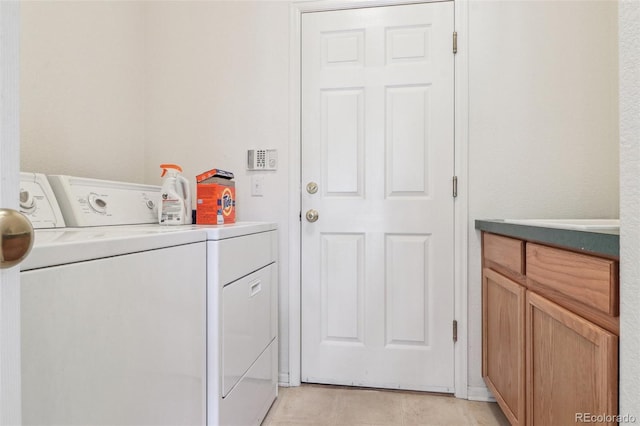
x,y
59,247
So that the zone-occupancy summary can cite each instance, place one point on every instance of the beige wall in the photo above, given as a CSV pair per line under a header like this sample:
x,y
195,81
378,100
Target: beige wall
x,y
82,89
218,85
543,120
112,89
543,138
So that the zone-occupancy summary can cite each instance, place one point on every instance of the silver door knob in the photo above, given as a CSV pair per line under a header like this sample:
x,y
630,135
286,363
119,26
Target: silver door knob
x,y
16,237
312,187
312,215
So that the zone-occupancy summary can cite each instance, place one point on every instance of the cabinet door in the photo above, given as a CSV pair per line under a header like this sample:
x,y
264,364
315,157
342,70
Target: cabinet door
x,y
503,361
572,366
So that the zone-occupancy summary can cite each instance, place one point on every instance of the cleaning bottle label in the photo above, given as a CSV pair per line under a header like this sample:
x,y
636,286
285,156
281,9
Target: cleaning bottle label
x,y
175,208
171,210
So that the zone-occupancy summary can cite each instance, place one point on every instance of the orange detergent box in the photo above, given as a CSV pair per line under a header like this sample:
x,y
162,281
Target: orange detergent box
x,y
215,198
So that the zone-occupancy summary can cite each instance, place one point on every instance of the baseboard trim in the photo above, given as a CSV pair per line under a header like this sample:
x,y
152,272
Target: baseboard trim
x,y
474,393
283,380
479,393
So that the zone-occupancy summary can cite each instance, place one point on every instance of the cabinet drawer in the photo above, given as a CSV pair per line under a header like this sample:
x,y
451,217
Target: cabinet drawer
x,y
504,251
589,280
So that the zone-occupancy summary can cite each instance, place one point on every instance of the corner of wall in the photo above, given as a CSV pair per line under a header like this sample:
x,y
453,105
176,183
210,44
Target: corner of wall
x,y
629,54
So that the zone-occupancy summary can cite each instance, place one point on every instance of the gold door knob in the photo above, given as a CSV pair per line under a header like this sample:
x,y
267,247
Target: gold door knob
x,y
16,237
312,215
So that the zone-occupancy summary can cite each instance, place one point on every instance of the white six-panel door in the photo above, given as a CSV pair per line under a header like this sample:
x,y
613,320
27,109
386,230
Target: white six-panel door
x,y
377,140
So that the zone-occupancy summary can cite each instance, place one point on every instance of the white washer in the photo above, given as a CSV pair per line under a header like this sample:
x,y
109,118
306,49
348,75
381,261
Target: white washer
x,y
113,326
241,296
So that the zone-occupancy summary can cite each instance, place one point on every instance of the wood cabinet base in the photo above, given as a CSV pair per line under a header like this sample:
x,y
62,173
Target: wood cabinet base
x,y
549,333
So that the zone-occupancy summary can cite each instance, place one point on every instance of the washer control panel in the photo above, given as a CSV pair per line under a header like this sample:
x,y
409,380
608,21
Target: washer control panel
x,y
38,202
95,202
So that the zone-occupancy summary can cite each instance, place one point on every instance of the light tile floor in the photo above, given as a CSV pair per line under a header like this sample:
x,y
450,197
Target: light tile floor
x,y
320,405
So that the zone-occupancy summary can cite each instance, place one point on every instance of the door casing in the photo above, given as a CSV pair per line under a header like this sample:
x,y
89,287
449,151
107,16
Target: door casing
x,y
295,186
10,390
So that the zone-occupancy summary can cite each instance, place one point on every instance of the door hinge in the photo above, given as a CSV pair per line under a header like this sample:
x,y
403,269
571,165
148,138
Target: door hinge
x,y
455,42
455,331
300,216
455,186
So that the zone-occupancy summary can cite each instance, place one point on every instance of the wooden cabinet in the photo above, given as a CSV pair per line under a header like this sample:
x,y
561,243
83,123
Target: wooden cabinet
x,y
503,338
550,331
571,365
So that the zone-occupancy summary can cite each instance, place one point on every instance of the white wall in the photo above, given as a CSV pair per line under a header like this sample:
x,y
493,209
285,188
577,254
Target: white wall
x,y
198,83
112,89
217,85
543,111
543,131
82,88
630,207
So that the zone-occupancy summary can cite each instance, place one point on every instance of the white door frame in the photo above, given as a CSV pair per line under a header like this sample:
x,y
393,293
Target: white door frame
x,y
461,160
10,390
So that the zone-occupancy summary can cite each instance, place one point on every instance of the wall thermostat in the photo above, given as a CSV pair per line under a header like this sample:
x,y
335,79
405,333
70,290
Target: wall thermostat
x,y
262,159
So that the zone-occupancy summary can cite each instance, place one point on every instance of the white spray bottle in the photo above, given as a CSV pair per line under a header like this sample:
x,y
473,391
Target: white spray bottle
x,y
175,201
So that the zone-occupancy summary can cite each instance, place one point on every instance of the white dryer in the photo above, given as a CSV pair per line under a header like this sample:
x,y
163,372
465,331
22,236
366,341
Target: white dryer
x,y
242,322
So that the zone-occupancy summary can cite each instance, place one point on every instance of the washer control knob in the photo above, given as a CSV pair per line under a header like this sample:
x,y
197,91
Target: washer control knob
x,y
27,202
98,204
150,204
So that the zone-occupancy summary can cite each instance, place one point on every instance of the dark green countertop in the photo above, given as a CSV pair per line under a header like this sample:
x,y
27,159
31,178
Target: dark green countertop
x,y
599,242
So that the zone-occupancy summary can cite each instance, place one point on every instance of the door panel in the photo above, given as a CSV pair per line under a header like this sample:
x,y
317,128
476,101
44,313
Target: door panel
x,y
407,144
377,138
408,264
343,141
342,282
